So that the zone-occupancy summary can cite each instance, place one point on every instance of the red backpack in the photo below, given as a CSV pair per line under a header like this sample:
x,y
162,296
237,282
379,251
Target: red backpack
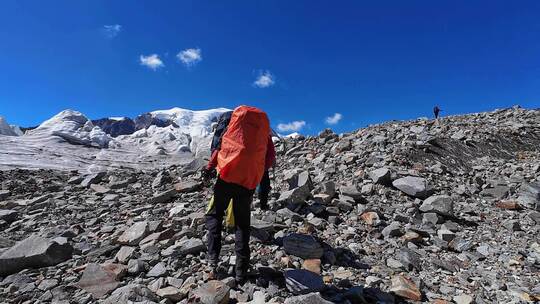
x,y
241,159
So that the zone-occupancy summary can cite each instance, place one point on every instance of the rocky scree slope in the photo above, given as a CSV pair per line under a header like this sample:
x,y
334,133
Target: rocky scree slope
x,y
440,211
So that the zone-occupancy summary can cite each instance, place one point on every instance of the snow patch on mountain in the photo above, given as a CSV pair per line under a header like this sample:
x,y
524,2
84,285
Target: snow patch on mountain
x,y
194,123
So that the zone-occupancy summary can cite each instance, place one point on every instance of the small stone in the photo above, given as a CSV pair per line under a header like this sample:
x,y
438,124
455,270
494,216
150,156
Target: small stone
x,y
8,216
135,267
371,218
463,299
392,230
124,254
213,292
158,270
171,293
381,176
312,298
446,235
99,188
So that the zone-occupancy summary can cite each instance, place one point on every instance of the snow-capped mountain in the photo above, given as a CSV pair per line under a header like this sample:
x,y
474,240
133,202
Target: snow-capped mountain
x,y
70,140
9,130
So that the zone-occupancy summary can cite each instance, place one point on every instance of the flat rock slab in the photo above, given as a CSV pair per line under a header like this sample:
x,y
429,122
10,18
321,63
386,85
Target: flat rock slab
x,y
163,197
189,246
213,292
303,246
99,280
134,234
34,252
187,186
300,281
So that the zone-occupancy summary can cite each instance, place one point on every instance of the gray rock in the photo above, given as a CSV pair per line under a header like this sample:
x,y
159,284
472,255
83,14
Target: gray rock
x,y
300,281
440,204
163,197
187,186
135,267
185,247
213,292
431,218
393,230
413,186
8,216
157,271
352,192
134,234
303,246
171,293
47,284
381,176
124,254
98,280
410,259
295,196
132,293
4,194
93,179
34,252
312,298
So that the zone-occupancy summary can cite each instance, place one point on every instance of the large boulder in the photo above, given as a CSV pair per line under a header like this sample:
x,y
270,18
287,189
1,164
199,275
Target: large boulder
x,y
413,186
303,246
34,252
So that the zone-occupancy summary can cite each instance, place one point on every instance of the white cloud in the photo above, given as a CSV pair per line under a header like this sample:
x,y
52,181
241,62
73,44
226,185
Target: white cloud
x,y
151,61
293,126
190,57
264,80
112,31
334,119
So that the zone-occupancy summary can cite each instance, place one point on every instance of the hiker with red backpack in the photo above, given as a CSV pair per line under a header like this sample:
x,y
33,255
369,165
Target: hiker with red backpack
x,y
245,153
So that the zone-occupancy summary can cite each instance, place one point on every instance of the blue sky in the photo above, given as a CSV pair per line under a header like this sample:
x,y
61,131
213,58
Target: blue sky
x,y
301,61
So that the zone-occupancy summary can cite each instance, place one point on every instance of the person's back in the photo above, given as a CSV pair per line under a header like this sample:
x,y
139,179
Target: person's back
x,y
436,111
241,162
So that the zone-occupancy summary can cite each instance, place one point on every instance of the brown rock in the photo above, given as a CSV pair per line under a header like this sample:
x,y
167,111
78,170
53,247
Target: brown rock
x,y
405,288
371,218
313,265
508,205
99,280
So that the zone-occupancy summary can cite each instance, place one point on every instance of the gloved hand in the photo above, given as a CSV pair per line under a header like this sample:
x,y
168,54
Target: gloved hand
x,y
208,174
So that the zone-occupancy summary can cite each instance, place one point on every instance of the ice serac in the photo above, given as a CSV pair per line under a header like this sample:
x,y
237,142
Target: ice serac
x,y
75,128
34,252
6,129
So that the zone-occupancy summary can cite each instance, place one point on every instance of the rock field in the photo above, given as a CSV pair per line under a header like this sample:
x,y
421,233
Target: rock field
x,y
444,211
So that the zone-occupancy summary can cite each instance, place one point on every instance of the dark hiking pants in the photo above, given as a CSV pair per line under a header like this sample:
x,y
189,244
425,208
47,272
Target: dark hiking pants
x,y
264,188
223,193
